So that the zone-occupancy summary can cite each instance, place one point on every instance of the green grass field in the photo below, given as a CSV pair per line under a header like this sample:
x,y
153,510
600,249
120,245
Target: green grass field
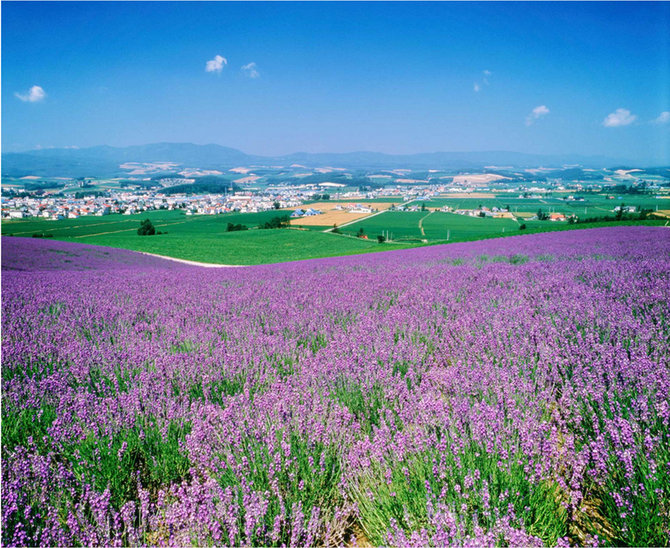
x,y
436,226
85,228
592,206
401,224
440,226
197,238
205,238
245,248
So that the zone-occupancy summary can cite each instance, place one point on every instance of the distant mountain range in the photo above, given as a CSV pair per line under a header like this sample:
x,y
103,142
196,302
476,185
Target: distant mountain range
x,y
104,161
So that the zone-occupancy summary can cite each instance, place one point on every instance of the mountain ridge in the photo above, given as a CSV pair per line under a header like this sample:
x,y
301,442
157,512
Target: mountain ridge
x,y
104,160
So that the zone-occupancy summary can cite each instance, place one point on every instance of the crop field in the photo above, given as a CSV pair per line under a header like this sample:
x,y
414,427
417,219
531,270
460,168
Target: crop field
x,y
440,226
87,227
331,216
402,224
242,248
510,391
436,225
197,238
592,206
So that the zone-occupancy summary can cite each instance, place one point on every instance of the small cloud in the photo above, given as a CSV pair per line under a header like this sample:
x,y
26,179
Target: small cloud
x,y
250,70
620,117
537,113
216,64
33,95
663,118
477,86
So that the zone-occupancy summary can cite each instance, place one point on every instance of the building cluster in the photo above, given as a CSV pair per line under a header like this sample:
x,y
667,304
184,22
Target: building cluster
x,y
54,207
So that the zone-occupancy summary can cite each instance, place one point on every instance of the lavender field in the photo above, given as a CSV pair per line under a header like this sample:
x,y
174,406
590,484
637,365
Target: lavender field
x,y
512,391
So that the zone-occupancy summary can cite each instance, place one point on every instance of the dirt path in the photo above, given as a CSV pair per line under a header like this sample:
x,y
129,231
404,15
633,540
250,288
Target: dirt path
x,y
194,263
421,223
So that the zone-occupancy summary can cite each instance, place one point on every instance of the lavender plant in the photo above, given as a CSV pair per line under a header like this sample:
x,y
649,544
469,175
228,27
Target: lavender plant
x,y
510,391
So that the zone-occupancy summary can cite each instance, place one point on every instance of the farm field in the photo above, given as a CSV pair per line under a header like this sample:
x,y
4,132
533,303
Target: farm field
x,y
510,391
246,247
440,226
86,227
436,225
402,225
592,206
198,238
331,216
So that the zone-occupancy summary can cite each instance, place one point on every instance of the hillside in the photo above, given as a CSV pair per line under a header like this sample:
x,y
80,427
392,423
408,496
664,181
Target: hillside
x,y
104,161
509,391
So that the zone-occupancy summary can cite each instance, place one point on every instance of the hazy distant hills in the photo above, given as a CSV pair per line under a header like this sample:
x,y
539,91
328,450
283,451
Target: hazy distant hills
x,y
104,161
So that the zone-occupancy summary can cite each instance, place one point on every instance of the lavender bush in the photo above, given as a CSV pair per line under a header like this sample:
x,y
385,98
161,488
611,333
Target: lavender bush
x,y
512,391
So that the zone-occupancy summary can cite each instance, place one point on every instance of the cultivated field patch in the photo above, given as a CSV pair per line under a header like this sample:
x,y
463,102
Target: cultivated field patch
x,y
332,215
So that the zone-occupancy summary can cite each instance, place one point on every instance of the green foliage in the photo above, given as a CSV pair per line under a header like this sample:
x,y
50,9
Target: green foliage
x,y
401,491
111,461
307,475
381,238
279,221
146,228
641,482
236,227
366,404
145,450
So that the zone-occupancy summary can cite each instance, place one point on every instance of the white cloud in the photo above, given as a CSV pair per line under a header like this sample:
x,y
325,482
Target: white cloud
x,y
216,64
477,86
34,94
620,117
663,118
537,113
250,70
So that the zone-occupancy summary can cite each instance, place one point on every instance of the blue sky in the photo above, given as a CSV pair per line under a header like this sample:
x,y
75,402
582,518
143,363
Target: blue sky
x,y
554,78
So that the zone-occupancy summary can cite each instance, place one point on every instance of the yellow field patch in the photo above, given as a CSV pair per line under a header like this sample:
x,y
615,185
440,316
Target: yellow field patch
x,y
328,219
331,216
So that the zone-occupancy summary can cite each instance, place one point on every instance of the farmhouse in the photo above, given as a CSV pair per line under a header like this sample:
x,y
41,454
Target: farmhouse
x,y
557,217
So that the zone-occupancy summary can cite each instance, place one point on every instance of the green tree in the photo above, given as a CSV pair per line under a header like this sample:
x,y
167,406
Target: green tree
x,y
146,228
280,221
